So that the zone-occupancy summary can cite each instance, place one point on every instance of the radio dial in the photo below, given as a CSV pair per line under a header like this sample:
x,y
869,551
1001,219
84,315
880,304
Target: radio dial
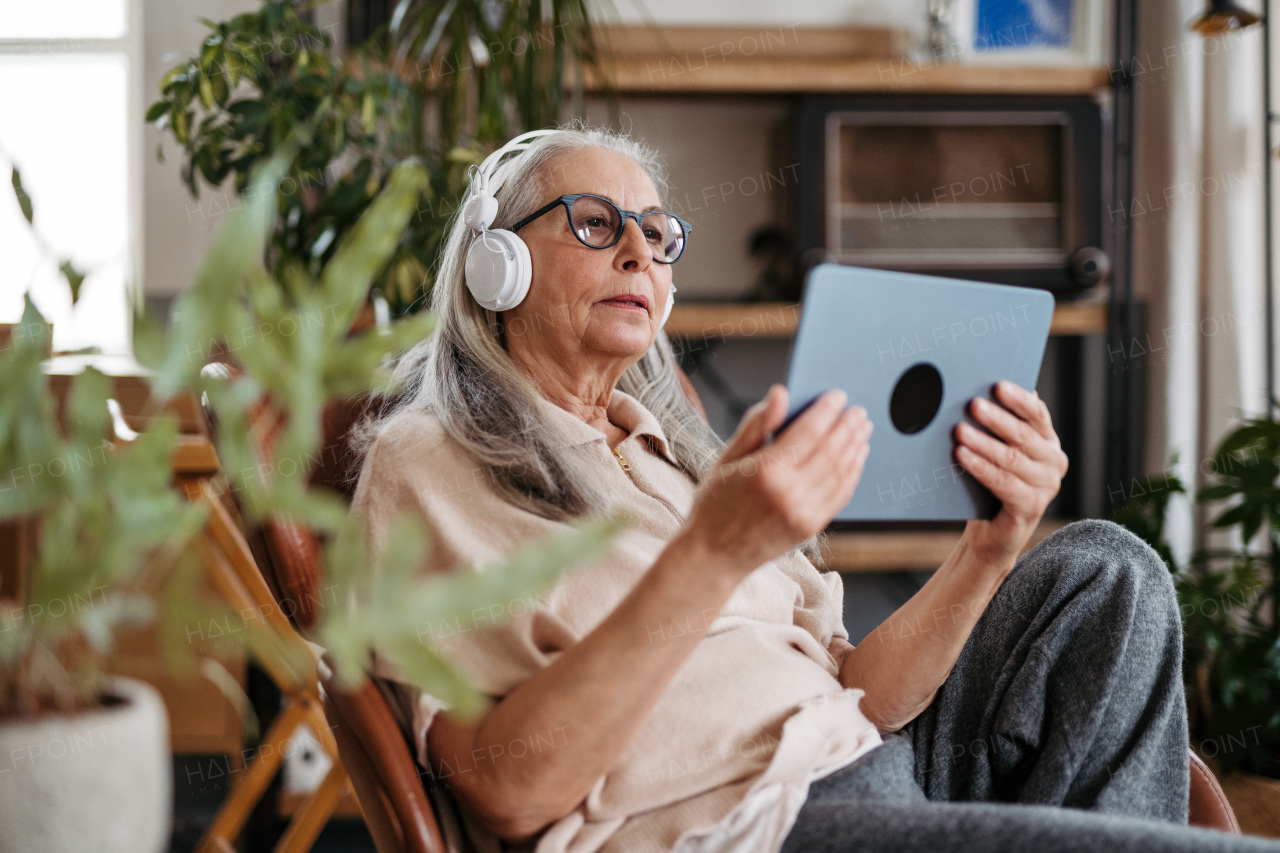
x,y
1089,266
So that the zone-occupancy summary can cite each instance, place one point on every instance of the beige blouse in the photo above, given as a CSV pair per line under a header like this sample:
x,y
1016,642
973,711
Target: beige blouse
x,y
753,716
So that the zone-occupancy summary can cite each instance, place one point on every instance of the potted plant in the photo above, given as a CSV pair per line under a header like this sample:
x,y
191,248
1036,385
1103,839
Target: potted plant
x,y
1229,601
85,760
83,757
487,69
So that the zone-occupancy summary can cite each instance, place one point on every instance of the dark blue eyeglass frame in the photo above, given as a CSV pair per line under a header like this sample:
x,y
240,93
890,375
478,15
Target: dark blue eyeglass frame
x,y
623,216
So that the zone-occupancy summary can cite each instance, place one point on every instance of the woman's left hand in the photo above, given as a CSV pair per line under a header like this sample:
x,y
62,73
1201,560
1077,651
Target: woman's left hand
x,y
1022,464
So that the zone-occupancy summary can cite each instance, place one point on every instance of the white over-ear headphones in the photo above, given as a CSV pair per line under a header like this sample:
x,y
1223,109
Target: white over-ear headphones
x,y
498,268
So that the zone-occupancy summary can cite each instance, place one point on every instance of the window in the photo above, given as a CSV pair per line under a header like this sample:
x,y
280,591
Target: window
x,y
70,121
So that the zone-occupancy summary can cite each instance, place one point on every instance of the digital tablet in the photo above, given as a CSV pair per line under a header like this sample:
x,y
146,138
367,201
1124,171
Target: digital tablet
x,y
913,350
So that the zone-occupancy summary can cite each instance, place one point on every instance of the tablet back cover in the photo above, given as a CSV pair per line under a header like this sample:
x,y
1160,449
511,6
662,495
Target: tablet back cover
x,y
913,350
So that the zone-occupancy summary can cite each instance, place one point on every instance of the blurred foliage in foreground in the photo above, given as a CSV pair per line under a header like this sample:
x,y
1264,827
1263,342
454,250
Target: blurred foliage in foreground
x,y
115,545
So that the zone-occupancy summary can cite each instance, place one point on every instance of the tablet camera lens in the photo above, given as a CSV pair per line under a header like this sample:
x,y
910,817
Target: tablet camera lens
x,y
916,398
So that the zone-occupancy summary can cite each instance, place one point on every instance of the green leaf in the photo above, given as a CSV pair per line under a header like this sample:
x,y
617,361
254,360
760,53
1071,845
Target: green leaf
x,y
74,278
156,110
181,125
1215,492
29,435
207,98
24,200
86,410
32,333
368,118
149,341
522,574
348,364
426,670
1235,515
176,74
373,240
235,67
255,111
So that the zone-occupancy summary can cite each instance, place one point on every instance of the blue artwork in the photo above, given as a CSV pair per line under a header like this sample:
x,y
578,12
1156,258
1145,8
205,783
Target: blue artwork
x,y
1005,24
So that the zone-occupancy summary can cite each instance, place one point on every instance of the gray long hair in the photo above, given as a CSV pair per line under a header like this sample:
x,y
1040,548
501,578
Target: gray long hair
x,y
463,374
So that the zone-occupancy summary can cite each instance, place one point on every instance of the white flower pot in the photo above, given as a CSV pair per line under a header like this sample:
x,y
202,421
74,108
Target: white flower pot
x,y
99,780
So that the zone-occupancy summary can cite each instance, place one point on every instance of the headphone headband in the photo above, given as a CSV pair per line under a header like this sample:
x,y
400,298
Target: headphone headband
x,y
491,163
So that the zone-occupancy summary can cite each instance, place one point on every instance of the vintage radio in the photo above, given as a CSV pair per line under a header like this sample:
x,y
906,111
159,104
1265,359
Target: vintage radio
x,y
1001,189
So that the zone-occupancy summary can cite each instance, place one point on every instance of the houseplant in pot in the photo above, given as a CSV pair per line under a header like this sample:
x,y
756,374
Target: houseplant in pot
x,y
1228,598
84,760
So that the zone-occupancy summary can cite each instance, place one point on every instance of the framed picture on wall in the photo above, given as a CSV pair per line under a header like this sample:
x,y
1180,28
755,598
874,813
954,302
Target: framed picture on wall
x,y
1033,32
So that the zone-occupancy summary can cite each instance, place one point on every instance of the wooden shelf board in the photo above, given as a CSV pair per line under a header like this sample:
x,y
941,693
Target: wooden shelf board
x,y
1079,318
778,320
788,58
903,550
763,320
721,44
672,74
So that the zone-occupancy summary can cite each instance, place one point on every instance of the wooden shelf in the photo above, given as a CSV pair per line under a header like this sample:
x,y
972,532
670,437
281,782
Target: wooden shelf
x,y
787,59
1079,318
903,550
778,320
762,320
855,76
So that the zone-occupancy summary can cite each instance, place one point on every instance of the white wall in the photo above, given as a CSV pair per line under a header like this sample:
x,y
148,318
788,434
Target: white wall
x,y
175,228
726,178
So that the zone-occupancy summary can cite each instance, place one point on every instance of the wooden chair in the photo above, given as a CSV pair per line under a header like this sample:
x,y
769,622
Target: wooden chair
x,y
230,566
379,759
283,596
382,770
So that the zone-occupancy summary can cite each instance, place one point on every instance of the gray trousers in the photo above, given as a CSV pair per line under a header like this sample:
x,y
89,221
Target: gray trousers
x,y
1062,727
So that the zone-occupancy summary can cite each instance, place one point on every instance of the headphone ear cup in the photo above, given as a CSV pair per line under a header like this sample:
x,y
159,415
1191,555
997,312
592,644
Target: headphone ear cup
x,y
498,270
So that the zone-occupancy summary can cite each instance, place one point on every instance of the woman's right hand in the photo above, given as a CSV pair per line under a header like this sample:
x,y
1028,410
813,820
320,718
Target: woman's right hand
x,y
760,501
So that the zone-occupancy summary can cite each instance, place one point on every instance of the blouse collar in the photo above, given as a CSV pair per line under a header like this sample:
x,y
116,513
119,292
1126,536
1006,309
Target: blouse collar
x,y
623,410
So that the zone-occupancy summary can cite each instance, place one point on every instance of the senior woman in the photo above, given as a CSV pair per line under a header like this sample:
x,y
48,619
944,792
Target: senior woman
x,y
695,690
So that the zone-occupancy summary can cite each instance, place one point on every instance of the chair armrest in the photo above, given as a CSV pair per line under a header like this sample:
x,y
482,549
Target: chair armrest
x,y
382,770
1207,804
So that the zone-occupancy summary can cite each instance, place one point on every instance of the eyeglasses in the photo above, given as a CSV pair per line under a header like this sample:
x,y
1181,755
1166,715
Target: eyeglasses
x,y
598,223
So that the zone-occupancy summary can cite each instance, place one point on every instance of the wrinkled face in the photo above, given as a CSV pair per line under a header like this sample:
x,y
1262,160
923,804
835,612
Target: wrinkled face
x,y
581,305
